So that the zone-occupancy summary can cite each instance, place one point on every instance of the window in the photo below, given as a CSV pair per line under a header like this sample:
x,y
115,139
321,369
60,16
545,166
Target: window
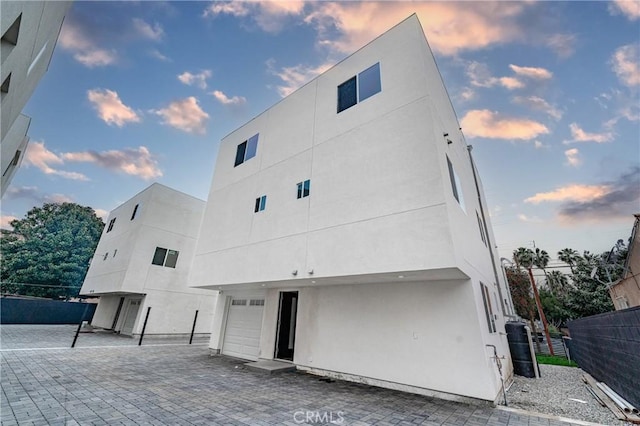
x,y
481,226
105,256
455,184
261,203
303,188
115,252
246,150
256,302
111,223
360,87
4,88
239,302
14,162
491,323
135,210
165,257
11,35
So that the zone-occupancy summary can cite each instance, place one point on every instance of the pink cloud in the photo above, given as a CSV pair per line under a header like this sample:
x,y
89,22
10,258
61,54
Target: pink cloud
x,y
488,124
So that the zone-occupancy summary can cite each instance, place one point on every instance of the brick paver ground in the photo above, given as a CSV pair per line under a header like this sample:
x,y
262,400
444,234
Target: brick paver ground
x,y
109,380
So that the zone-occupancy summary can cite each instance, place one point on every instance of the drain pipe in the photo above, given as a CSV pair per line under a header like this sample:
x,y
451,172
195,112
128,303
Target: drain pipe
x,y
620,401
499,365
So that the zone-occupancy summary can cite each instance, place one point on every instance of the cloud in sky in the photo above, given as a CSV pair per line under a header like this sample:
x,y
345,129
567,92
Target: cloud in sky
x,y
198,79
562,44
296,76
535,73
527,219
628,8
617,199
625,62
270,16
39,156
538,104
152,32
75,39
573,157
185,115
136,162
488,124
155,53
102,214
225,100
33,193
580,135
110,108
5,222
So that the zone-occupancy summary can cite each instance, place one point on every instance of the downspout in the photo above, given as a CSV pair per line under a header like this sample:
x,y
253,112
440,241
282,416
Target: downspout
x,y
486,230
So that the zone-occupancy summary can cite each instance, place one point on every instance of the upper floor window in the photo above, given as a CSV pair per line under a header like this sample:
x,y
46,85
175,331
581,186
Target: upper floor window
x,y
246,150
261,204
165,257
135,210
481,226
455,184
111,223
360,87
303,188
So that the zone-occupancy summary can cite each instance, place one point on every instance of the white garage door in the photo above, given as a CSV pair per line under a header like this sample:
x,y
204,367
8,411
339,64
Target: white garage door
x,y
242,333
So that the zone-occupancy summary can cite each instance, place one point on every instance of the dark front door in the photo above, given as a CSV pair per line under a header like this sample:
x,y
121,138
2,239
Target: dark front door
x,y
285,339
115,319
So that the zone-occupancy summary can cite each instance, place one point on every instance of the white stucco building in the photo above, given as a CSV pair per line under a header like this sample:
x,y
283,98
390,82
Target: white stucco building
x,y
29,33
142,261
347,232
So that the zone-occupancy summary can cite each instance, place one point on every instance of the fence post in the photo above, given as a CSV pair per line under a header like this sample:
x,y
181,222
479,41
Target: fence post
x,y
144,326
193,329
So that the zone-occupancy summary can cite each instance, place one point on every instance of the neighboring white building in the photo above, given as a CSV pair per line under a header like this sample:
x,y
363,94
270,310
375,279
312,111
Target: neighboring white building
x,y
142,261
347,232
29,33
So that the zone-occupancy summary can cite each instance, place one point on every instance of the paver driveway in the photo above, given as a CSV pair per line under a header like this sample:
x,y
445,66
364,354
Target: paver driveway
x,y
178,384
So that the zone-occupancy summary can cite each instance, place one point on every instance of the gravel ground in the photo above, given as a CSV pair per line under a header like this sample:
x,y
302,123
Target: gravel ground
x,y
553,393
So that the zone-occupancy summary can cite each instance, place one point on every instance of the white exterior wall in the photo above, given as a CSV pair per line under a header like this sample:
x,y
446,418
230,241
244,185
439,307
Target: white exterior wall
x,y
381,247
26,61
165,218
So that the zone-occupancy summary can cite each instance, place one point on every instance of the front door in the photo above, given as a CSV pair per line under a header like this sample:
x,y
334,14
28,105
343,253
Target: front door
x,y
285,339
132,315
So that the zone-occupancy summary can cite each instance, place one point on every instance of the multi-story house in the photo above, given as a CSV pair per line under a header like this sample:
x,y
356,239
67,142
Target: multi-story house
x,y
142,261
347,232
29,33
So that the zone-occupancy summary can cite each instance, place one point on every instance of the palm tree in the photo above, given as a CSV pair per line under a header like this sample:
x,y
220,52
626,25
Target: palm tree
x,y
557,282
527,259
541,260
569,256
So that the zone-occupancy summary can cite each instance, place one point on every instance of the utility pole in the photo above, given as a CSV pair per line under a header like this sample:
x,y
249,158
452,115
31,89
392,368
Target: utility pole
x,y
543,318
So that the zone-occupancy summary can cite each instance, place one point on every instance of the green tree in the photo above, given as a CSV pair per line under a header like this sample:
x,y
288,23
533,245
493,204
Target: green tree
x,y
554,307
50,247
520,288
569,256
557,283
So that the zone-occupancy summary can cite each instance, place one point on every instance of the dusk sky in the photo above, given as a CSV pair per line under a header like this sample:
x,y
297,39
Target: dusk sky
x,y
548,94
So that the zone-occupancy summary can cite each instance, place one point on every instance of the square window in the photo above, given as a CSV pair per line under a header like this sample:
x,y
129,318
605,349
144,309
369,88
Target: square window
x,y
347,95
369,82
242,148
158,257
172,259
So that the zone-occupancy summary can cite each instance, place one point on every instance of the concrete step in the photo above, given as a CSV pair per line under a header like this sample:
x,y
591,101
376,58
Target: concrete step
x,y
270,366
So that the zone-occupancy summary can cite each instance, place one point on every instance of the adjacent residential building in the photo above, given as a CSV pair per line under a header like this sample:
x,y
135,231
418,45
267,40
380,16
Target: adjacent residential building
x,y
29,33
142,262
625,293
347,232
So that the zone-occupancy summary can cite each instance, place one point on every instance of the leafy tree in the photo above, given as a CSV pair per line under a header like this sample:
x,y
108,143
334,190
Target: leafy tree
x,y
569,256
554,307
50,247
558,283
520,288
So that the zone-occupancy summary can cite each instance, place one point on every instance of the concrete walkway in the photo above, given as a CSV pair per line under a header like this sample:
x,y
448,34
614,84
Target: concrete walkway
x,y
162,383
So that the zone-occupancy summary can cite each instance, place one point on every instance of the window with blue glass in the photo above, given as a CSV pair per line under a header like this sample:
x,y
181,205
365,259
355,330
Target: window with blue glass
x,y
360,87
304,188
246,150
261,204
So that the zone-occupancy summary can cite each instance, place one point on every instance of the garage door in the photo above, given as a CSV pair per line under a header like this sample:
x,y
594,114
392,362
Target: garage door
x,y
242,333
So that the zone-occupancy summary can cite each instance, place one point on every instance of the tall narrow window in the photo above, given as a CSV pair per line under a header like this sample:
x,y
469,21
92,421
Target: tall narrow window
x,y
172,259
11,35
304,188
347,94
14,162
111,223
481,226
158,256
455,184
261,204
246,150
135,210
4,87
491,323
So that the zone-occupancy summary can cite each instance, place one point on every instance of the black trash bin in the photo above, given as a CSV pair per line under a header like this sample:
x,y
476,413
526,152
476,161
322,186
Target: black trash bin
x,y
523,365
